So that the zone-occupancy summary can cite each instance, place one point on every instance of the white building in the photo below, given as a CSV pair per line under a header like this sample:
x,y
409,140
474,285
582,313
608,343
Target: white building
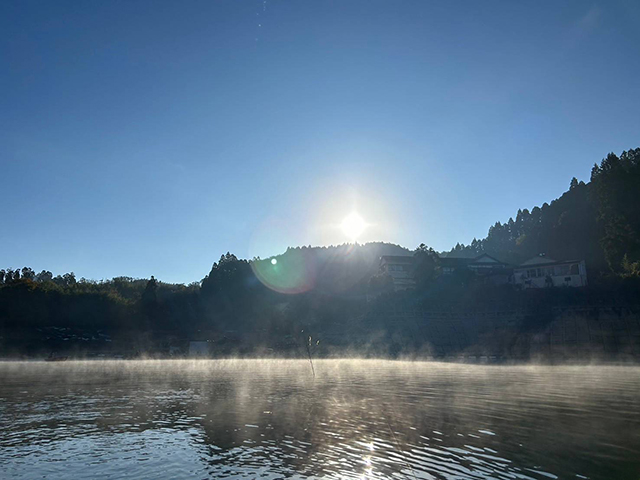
x,y
541,272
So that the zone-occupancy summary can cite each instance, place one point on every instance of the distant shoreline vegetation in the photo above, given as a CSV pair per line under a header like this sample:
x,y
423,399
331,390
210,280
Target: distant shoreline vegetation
x,y
338,296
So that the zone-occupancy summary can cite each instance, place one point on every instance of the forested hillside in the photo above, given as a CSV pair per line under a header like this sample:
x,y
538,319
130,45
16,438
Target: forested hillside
x,y
239,301
598,221
244,304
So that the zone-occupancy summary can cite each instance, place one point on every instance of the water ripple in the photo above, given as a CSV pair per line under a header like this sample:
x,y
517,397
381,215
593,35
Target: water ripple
x,y
355,419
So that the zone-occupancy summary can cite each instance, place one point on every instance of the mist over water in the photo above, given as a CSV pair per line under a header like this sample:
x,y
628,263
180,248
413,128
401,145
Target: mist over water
x,y
354,419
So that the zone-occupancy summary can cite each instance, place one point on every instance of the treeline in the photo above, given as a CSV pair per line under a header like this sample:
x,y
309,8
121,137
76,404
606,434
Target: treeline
x,y
9,275
42,300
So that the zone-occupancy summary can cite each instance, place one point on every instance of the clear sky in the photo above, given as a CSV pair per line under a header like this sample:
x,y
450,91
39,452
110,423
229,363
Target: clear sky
x,y
147,138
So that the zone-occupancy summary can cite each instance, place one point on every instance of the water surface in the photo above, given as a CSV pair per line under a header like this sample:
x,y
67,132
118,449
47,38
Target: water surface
x,y
356,419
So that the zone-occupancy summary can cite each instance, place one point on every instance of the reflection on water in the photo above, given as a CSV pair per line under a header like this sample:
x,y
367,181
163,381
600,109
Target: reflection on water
x,y
355,419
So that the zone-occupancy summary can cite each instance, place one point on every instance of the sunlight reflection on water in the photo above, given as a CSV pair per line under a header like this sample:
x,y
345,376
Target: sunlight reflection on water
x,y
356,419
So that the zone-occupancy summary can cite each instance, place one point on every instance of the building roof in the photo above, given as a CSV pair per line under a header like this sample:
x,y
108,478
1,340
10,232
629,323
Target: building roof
x,y
486,258
482,259
544,261
538,260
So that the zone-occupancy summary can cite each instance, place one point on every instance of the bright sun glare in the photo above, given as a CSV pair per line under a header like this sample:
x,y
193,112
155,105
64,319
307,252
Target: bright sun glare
x,y
353,225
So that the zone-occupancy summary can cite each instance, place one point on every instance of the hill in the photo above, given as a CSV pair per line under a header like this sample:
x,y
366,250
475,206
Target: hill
x,y
244,305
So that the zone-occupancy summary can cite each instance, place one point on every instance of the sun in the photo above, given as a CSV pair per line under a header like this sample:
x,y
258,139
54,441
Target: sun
x,y
353,225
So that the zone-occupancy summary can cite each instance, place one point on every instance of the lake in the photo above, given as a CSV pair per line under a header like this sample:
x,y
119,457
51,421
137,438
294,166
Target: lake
x,y
360,419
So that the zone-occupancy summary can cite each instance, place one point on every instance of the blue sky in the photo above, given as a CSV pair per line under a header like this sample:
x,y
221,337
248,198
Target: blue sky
x,y
147,138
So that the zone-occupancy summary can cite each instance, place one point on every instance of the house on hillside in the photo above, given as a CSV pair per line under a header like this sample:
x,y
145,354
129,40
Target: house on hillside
x,y
400,269
542,271
484,265
538,272
449,265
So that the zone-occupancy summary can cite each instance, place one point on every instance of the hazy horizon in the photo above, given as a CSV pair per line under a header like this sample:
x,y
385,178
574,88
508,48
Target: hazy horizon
x,y
148,138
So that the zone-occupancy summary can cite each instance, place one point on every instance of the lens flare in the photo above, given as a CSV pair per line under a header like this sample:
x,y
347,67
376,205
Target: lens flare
x,y
294,272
